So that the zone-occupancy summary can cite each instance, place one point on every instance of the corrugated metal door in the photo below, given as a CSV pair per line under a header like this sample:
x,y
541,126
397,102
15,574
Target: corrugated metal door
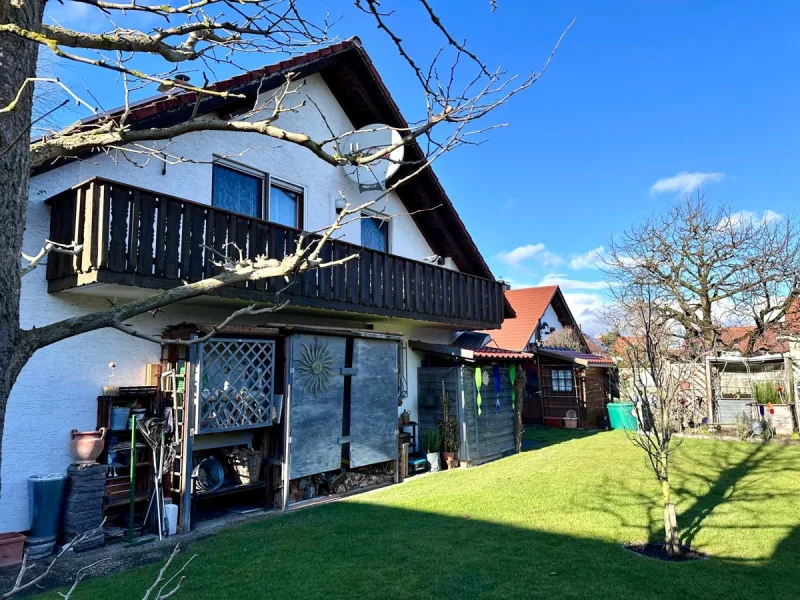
x,y
316,404
373,402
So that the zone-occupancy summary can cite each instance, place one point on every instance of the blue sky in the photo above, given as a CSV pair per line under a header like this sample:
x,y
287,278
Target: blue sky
x,y
681,93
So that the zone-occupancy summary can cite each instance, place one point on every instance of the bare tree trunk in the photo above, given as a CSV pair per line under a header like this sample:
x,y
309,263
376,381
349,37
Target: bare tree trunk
x,y
671,542
17,63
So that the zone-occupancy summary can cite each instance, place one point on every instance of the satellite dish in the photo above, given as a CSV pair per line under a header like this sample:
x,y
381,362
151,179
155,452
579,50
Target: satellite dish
x,y
369,140
571,414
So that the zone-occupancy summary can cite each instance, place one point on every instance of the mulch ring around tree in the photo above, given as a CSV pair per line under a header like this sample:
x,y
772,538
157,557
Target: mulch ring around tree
x,y
658,551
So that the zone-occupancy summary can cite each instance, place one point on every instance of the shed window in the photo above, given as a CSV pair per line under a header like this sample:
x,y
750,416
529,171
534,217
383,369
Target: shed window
x,y
562,380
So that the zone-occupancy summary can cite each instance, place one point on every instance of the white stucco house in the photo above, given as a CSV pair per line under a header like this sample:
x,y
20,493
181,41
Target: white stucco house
x,y
146,227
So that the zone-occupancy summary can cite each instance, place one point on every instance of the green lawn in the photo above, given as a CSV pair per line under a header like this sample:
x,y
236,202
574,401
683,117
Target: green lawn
x,y
548,523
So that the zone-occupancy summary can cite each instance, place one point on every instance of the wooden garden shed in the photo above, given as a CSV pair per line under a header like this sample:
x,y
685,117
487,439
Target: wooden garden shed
x,y
487,425
565,383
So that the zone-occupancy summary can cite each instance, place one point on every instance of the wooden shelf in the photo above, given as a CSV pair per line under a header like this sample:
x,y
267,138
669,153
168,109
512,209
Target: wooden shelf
x,y
231,489
118,501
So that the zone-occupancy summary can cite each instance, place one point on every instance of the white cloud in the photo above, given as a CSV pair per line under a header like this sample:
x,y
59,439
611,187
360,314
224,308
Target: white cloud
x,y
508,205
565,283
588,260
685,182
522,254
750,218
588,311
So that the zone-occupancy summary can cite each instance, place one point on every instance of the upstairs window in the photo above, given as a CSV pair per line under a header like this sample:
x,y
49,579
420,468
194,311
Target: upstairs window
x,y
286,204
375,232
562,380
237,190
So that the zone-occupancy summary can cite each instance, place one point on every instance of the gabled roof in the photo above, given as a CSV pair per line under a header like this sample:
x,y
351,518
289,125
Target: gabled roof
x,y
352,78
529,304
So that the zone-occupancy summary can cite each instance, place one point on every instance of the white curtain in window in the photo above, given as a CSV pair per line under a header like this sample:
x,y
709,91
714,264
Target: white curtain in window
x,y
237,191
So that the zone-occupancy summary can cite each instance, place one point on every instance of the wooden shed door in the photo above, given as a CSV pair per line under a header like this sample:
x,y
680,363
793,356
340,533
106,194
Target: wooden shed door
x,y
316,404
373,402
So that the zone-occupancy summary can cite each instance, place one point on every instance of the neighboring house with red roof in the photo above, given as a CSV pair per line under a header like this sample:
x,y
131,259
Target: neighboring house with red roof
x,y
566,387
539,311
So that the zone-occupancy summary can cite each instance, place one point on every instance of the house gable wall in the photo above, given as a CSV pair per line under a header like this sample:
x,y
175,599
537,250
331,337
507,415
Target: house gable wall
x,y
281,160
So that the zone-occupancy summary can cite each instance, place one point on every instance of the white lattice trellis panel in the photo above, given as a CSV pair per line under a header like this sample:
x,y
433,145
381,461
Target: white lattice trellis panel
x,y
236,384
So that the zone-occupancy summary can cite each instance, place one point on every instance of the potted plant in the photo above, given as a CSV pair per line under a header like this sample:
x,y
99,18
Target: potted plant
x,y
433,444
448,427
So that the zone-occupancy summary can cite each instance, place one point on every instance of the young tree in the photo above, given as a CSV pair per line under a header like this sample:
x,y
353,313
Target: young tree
x,y
208,33
706,264
655,373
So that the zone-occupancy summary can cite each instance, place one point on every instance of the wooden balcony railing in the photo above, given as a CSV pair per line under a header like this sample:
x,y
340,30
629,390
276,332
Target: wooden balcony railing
x,y
142,238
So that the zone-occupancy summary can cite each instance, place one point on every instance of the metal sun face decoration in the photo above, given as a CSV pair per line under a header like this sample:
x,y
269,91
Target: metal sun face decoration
x,y
316,368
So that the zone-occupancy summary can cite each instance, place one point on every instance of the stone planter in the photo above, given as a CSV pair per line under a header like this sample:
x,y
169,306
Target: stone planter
x,y
86,446
433,460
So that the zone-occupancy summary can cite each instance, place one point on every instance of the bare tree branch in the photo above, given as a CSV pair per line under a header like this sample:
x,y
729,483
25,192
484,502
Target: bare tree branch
x,y
73,249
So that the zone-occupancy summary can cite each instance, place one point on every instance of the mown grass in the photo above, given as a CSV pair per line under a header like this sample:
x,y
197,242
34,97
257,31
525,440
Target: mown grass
x,y
548,523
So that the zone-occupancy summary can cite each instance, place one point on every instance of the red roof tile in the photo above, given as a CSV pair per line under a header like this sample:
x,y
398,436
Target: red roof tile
x,y
500,354
529,304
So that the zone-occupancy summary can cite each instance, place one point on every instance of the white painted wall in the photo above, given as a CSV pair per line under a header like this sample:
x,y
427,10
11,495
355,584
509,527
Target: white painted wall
x,y
58,388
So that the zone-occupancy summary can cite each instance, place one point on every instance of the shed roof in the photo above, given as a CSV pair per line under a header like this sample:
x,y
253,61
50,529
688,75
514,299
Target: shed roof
x,y
580,358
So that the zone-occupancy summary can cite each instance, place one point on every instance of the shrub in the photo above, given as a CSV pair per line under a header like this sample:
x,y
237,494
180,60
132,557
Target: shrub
x,y
432,441
765,392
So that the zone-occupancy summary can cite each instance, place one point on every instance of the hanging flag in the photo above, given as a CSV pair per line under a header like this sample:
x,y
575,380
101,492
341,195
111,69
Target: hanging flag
x,y
496,372
478,383
512,375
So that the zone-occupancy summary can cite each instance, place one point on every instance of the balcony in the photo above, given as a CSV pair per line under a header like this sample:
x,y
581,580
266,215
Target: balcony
x,y
141,238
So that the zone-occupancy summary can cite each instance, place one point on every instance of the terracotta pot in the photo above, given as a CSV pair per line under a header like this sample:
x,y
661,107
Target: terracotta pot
x,y
86,446
450,459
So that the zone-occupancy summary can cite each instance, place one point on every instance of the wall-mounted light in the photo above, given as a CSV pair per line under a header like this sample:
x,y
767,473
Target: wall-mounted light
x,y
341,204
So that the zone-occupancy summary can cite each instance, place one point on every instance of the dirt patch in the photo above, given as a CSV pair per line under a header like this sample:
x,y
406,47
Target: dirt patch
x,y
657,551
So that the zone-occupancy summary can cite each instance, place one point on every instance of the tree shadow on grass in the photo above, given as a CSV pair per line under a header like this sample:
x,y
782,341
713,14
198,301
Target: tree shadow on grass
x,y
364,550
536,437
740,478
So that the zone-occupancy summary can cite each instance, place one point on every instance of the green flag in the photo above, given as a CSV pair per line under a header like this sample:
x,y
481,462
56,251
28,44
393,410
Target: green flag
x,y
478,383
512,375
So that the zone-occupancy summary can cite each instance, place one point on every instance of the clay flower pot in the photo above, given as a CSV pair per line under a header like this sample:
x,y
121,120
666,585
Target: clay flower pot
x,y
86,446
450,459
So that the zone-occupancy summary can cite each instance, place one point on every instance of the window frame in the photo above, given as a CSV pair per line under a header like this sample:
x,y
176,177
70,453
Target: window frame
x,y
289,186
267,183
244,170
371,214
570,379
